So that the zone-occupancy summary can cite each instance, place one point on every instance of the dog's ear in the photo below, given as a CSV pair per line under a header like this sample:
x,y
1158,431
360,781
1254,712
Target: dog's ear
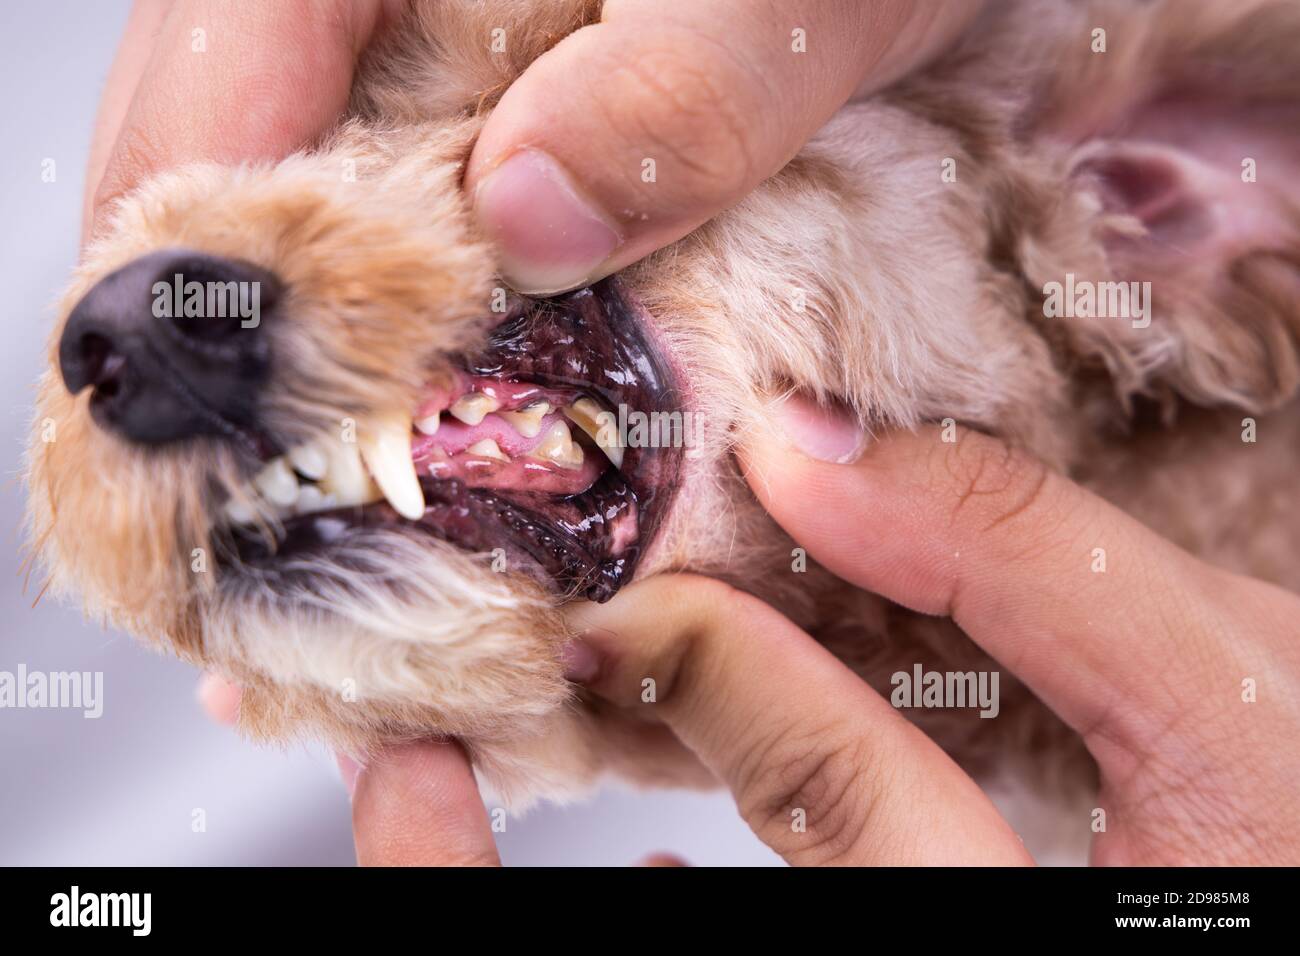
x,y
1208,214
1187,132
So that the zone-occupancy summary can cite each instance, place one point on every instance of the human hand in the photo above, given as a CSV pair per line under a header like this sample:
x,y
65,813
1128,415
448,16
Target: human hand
x,y
1145,661
272,78
717,94
712,90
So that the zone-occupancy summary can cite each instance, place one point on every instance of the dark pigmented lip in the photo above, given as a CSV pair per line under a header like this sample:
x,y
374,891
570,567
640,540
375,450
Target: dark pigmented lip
x,y
594,342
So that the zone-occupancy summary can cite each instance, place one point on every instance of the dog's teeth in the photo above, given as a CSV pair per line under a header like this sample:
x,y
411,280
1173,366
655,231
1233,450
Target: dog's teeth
x,y
311,498
601,425
558,447
487,448
346,478
429,426
309,461
473,408
277,483
240,511
528,421
386,450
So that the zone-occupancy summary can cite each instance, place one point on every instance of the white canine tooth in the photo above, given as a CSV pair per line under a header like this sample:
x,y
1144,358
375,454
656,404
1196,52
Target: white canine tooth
x,y
277,483
528,421
487,448
601,425
309,461
557,446
346,478
386,450
473,408
429,426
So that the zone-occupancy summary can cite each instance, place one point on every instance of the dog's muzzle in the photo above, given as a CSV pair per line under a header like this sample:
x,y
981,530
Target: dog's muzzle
x,y
172,346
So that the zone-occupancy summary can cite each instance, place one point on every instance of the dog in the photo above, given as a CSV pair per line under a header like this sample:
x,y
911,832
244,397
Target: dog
x,y
364,493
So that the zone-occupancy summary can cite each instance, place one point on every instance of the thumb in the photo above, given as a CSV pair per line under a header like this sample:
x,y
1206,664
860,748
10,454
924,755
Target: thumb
x,y
964,526
417,804
634,130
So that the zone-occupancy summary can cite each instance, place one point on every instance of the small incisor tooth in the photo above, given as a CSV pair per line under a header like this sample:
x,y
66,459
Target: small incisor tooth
x,y
310,498
309,461
346,478
240,511
528,421
473,408
558,447
386,450
277,483
429,426
487,448
600,425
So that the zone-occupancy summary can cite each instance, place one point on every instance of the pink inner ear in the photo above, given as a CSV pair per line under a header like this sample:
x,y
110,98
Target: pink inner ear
x,y
1176,166
1150,184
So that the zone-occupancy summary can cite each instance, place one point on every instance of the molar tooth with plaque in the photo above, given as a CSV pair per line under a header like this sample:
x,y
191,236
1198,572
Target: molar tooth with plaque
x,y
558,447
601,425
528,420
487,448
473,408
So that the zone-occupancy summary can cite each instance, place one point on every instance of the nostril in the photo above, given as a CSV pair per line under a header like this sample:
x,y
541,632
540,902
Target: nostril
x,y
170,347
93,361
109,380
95,352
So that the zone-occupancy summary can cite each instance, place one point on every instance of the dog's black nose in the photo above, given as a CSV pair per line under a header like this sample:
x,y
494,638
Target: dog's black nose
x,y
173,346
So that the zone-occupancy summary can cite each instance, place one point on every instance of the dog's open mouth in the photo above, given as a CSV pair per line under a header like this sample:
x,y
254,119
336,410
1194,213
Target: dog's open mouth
x,y
524,447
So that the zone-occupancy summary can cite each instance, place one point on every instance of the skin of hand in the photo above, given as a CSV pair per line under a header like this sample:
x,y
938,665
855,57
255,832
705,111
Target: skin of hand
x,y
271,78
1147,661
632,132
714,91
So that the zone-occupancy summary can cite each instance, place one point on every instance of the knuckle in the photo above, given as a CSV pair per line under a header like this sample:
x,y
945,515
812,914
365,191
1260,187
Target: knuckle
x,y
718,608
715,613
990,484
688,108
824,777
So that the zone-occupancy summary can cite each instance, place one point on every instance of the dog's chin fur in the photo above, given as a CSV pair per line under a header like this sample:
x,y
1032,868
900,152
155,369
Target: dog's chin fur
x,y
858,274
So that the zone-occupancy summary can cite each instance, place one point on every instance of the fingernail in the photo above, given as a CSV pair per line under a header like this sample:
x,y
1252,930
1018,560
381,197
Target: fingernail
x,y
827,433
349,770
549,236
580,662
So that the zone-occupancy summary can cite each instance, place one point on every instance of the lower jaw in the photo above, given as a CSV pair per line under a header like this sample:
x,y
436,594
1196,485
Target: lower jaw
x,y
595,343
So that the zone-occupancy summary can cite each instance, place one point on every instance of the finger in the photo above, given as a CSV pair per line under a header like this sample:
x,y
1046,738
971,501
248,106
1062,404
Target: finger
x,y
418,804
219,699
133,50
823,770
656,860
633,131
1082,602
229,81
